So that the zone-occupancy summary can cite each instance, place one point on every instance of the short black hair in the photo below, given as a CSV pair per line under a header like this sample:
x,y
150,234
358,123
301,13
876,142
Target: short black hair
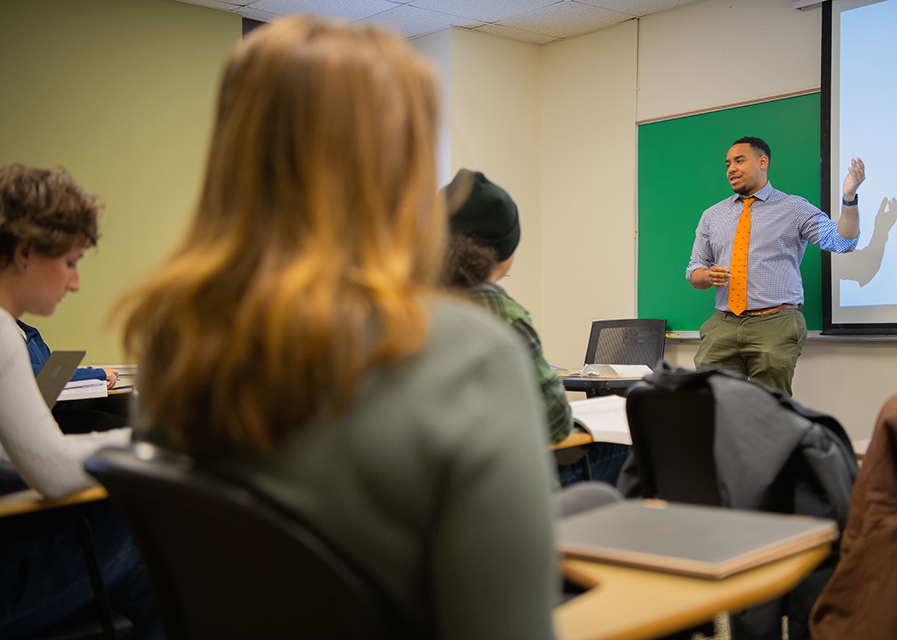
x,y
757,143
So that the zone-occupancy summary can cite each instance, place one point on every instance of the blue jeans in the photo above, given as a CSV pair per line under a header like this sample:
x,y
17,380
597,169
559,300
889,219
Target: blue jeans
x,y
44,579
606,460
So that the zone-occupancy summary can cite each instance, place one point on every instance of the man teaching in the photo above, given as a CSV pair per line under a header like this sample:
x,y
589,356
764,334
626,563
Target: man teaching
x,y
750,246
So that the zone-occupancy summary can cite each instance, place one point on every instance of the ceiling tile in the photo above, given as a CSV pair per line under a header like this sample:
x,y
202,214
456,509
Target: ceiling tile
x,y
538,21
491,11
638,8
414,21
515,34
258,14
349,10
565,19
214,4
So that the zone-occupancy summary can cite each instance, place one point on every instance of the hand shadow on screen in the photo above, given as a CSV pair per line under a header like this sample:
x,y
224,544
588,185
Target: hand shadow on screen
x,y
861,266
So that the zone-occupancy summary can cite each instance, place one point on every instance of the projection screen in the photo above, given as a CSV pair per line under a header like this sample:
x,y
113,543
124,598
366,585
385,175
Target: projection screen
x,y
860,95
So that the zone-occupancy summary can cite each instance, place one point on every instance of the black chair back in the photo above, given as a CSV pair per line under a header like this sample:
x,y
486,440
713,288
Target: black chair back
x,y
225,563
779,464
672,443
631,341
584,496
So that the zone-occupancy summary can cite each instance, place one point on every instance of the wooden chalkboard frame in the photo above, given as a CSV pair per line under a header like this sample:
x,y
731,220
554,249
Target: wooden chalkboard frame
x,y
681,172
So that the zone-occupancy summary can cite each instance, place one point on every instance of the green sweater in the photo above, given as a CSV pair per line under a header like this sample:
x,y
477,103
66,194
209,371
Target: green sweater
x,y
437,480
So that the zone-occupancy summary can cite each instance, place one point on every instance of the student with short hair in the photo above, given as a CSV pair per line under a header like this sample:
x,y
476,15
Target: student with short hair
x,y
46,224
750,246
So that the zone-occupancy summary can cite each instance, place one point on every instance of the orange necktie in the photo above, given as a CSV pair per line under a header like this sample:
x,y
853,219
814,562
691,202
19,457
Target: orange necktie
x,y
738,269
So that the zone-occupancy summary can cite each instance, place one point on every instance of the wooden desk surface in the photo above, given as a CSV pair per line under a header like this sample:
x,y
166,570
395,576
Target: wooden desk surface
x,y
637,604
117,391
30,500
575,439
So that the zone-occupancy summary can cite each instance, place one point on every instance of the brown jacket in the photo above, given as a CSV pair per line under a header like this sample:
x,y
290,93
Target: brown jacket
x,y
859,600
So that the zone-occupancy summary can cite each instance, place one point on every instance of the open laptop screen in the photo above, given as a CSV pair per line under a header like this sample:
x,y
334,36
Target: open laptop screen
x,y
56,372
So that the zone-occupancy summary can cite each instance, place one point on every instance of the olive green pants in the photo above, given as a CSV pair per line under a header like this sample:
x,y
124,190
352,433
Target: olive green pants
x,y
764,348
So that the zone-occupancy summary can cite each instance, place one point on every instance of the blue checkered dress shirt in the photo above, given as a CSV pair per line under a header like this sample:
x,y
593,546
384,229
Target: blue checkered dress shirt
x,y
781,227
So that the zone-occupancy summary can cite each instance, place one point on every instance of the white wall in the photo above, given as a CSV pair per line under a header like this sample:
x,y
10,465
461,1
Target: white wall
x,y
438,48
721,52
493,89
495,125
588,187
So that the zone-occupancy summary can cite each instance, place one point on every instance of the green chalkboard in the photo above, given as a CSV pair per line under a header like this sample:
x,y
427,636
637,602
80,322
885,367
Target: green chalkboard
x,y
681,172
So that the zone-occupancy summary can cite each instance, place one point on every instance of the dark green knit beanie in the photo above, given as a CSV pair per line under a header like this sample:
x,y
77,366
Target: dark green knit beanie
x,y
484,211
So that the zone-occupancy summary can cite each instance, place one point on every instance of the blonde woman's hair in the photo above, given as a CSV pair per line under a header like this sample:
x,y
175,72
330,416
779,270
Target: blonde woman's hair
x,y
316,236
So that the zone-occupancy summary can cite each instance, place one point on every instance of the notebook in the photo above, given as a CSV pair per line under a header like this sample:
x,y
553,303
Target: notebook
x,y
706,542
57,370
83,390
604,417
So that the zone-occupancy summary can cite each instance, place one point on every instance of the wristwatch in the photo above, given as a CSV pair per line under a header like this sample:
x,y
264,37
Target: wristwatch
x,y
851,203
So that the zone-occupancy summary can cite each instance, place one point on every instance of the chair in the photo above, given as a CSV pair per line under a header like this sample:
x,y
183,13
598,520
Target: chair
x,y
674,432
226,563
91,623
584,496
715,438
672,443
630,341
577,498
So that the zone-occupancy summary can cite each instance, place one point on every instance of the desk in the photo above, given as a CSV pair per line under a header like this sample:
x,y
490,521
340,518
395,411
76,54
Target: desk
x,y
625,603
575,439
29,500
111,624
598,386
118,391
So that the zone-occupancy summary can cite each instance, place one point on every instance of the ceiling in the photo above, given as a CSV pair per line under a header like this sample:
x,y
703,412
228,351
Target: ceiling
x,y
537,21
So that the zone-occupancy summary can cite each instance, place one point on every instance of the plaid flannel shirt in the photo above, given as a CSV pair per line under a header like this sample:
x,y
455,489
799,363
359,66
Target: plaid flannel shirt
x,y
557,409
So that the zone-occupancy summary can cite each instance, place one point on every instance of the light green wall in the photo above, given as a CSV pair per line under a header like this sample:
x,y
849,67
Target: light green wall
x,y
121,94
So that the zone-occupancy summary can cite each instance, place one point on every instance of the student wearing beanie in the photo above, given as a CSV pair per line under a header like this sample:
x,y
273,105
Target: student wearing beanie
x,y
485,232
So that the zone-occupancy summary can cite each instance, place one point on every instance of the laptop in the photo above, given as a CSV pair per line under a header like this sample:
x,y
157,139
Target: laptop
x,y
693,540
56,372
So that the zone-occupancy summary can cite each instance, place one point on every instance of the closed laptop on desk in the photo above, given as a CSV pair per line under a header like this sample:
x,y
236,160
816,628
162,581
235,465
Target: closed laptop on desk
x,y
708,542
